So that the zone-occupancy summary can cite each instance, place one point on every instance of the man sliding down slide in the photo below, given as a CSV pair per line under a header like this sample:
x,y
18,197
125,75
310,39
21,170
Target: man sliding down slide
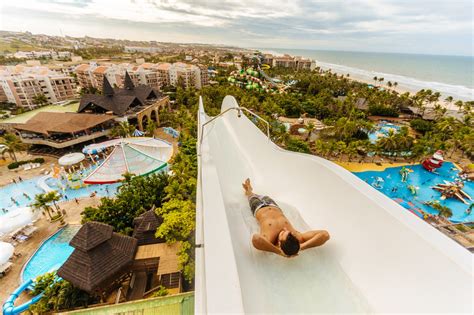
x,y
277,235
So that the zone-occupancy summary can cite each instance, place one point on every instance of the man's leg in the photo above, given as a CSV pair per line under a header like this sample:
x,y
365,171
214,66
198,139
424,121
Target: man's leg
x,y
248,188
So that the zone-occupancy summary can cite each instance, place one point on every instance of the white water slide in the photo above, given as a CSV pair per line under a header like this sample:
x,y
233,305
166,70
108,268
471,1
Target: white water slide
x,y
380,258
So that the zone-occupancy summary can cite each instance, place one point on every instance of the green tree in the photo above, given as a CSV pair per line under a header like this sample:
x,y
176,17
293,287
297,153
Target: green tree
x,y
40,99
150,127
136,195
123,130
14,145
42,202
310,127
443,211
297,145
58,294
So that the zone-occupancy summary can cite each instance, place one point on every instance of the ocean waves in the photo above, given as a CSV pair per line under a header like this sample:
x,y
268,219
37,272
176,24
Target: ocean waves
x,y
404,83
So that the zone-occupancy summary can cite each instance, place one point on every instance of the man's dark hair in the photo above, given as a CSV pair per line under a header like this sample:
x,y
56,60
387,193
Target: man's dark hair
x,y
290,246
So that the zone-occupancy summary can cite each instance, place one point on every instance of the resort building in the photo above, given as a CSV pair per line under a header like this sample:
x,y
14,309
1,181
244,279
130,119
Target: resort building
x,y
287,61
62,130
21,85
186,75
155,75
136,104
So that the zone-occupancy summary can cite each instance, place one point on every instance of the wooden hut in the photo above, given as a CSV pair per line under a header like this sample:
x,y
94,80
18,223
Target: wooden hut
x,y
101,259
145,228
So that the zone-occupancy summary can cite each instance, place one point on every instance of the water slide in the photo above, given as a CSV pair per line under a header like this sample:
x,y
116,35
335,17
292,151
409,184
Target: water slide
x,y
380,258
9,307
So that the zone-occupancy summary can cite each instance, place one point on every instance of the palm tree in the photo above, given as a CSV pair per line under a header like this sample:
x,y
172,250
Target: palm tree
x,y
395,84
53,197
376,79
310,127
41,202
389,84
440,111
13,144
389,143
381,80
123,129
449,99
443,211
459,104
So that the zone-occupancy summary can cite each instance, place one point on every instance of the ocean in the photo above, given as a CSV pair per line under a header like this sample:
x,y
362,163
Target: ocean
x,y
450,75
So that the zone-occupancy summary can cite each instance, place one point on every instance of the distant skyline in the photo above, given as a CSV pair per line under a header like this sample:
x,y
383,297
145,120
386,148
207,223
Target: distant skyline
x,y
400,26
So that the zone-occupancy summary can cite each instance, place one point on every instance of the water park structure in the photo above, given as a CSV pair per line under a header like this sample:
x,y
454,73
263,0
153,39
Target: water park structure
x,y
453,190
368,262
434,162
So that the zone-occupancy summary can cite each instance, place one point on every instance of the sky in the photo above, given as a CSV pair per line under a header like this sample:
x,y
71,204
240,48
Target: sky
x,y
406,26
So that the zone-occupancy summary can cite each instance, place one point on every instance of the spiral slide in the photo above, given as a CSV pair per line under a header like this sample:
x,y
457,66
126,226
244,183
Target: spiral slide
x,y
9,307
380,258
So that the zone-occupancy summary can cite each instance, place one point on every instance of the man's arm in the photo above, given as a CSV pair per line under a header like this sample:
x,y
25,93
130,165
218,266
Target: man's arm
x,y
313,239
262,243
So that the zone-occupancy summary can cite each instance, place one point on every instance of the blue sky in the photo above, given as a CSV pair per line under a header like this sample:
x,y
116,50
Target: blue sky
x,y
409,26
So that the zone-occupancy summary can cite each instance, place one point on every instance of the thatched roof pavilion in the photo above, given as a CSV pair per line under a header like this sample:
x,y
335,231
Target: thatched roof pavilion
x,y
100,257
118,100
145,228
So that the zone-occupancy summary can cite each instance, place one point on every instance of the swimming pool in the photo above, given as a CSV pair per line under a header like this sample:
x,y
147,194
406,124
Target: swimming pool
x,y
23,193
17,191
382,130
51,254
417,189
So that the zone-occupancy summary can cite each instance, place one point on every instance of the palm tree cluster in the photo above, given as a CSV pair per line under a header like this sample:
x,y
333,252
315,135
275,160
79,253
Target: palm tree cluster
x,y
43,202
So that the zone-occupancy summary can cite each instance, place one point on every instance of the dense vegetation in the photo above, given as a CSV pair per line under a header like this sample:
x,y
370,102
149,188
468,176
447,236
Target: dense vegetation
x,y
58,295
334,99
136,195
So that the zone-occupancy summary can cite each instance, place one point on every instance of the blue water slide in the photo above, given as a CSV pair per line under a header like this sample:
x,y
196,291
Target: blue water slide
x,y
9,307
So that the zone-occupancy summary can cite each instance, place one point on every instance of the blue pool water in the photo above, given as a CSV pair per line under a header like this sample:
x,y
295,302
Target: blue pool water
x,y
16,191
52,254
422,180
383,128
31,188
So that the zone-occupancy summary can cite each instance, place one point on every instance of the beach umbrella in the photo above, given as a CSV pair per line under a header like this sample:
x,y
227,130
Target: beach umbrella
x,y
71,159
6,251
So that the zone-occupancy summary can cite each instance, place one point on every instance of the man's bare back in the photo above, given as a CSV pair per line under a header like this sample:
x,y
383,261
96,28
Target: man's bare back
x,y
276,230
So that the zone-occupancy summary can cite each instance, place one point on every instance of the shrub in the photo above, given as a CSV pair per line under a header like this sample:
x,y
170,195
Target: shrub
x,y
381,110
297,145
13,165
38,160
421,125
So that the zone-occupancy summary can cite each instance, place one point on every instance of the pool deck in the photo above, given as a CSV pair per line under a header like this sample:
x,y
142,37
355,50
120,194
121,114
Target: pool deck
x,y
7,175
45,229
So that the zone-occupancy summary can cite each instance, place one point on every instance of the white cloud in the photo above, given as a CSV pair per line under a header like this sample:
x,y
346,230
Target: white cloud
x,y
248,22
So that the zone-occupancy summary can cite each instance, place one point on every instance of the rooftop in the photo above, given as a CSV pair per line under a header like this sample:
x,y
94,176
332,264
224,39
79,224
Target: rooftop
x,y
47,122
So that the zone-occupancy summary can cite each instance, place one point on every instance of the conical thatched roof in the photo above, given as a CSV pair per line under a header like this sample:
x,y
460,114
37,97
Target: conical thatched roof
x,y
100,256
118,100
145,228
128,84
91,235
107,89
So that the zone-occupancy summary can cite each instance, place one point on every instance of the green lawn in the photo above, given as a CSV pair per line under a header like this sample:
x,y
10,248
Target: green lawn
x,y
22,118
